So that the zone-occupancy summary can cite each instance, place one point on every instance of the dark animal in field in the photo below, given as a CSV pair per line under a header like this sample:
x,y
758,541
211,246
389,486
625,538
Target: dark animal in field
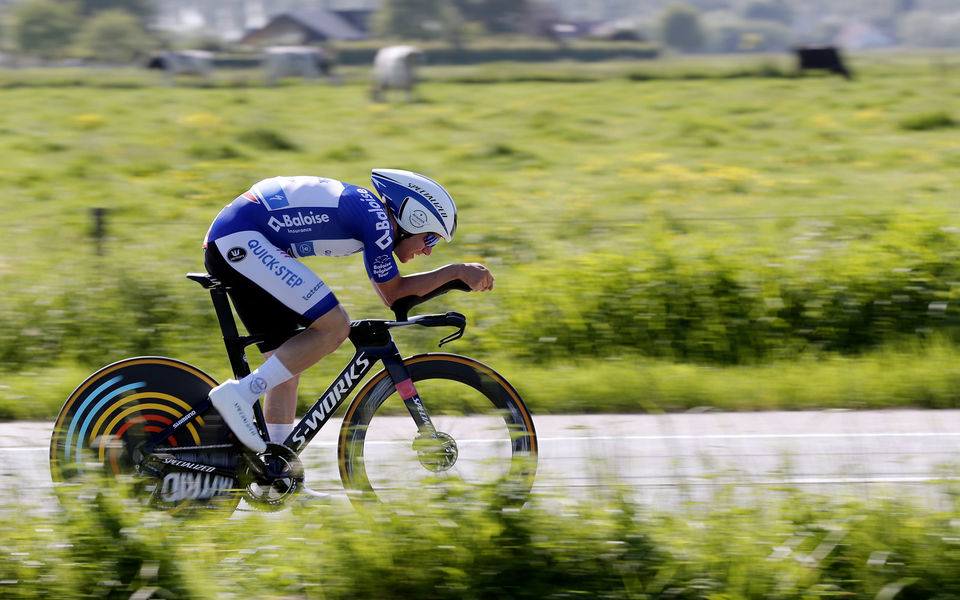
x,y
825,58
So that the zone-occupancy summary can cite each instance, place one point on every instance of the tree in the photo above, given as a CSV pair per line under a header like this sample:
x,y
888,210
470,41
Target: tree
x,y
113,36
680,28
142,9
497,16
416,19
44,28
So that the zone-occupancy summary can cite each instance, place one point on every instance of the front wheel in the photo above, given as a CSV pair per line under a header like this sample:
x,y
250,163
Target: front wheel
x,y
485,433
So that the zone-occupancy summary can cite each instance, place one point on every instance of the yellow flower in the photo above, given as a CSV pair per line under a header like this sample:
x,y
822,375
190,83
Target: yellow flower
x,y
201,121
88,121
868,115
824,121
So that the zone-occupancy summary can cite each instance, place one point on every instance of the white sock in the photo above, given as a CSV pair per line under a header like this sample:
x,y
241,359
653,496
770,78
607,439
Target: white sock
x,y
279,431
267,376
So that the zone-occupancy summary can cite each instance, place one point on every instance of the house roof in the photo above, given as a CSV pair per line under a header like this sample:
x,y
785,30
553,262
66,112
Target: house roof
x,y
318,25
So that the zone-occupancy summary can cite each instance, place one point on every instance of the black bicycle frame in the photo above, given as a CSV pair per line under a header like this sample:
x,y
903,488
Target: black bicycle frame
x,y
373,344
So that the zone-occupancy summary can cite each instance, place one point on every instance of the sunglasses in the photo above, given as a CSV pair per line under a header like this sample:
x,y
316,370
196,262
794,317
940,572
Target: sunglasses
x,y
430,240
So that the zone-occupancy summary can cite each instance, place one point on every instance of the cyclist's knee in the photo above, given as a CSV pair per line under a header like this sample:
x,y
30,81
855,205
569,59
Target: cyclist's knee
x,y
335,323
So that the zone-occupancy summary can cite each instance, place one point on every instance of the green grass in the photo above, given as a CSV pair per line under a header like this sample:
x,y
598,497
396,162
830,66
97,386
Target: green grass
x,y
770,543
690,221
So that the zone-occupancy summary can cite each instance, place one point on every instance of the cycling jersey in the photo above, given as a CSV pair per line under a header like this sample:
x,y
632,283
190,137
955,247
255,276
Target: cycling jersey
x,y
264,231
307,216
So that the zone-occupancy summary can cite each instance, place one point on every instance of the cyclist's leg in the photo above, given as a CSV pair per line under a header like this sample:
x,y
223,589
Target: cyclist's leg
x,y
313,343
279,406
298,353
273,294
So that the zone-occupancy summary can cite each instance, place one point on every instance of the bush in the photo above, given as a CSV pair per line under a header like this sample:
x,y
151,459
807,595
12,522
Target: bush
x,y
706,307
678,300
447,55
96,317
931,120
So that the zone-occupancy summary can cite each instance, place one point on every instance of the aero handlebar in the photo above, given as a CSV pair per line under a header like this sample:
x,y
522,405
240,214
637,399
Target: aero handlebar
x,y
402,307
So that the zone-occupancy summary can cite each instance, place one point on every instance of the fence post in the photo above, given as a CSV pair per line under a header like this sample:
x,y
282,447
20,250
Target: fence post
x,y
99,228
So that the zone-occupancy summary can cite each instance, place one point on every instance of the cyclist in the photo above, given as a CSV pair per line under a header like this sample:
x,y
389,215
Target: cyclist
x,y
253,247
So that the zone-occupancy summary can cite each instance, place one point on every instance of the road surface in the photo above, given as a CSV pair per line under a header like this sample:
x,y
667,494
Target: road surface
x,y
668,458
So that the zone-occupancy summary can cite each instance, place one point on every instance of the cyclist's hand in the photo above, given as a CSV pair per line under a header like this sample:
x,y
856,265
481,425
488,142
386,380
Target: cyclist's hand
x,y
477,276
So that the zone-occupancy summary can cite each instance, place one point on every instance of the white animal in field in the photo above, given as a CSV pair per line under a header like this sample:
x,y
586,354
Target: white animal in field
x,y
395,67
307,62
183,62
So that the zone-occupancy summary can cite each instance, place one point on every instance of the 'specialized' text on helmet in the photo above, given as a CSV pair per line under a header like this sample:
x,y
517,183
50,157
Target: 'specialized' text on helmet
x,y
419,204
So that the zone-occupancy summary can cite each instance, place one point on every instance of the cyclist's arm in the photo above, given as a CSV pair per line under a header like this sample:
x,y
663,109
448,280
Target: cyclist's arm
x,y
476,275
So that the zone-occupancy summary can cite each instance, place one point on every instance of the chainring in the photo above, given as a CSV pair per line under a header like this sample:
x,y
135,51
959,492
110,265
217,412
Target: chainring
x,y
271,478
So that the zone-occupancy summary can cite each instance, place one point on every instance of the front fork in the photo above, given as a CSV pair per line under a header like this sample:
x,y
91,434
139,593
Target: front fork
x,y
411,398
436,450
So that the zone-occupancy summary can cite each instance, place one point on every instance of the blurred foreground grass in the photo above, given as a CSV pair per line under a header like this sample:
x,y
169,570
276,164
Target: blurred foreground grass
x,y
454,544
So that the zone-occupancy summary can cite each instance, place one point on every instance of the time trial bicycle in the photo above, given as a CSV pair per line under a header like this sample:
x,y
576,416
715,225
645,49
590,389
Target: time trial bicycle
x,y
422,419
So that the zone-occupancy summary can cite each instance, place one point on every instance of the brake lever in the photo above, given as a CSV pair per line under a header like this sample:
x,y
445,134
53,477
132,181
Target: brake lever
x,y
460,323
456,335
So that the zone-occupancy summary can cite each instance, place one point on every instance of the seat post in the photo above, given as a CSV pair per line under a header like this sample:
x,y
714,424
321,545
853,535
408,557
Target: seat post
x,y
231,337
235,344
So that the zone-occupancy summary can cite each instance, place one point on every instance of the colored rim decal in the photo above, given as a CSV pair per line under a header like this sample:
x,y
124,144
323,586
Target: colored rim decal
x,y
111,391
97,404
65,411
153,396
146,407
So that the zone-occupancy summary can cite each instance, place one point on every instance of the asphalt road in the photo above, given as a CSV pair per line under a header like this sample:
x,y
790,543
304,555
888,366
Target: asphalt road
x,y
663,459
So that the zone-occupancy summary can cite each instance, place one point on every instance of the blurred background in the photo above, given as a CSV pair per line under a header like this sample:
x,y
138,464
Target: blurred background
x,y
710,201
117,30
703,206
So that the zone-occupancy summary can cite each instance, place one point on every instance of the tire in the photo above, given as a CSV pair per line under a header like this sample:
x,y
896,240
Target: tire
x,y
492,433
107,419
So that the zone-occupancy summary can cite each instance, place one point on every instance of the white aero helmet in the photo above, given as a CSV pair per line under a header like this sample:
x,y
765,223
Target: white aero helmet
x,y
419,204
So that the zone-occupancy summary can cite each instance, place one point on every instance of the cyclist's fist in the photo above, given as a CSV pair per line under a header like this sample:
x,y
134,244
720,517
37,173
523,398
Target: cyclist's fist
x,y
477,276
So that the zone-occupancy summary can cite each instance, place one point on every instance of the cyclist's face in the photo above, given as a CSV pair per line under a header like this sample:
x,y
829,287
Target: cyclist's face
x,y
414,245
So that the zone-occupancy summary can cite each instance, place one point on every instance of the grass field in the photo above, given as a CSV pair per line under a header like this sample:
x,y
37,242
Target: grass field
x,y
720,235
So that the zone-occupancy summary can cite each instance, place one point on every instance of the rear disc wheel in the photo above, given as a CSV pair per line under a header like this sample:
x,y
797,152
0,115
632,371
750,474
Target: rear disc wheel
x,y
107,420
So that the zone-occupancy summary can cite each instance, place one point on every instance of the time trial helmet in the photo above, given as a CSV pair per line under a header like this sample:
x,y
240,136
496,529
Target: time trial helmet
x,y
419,204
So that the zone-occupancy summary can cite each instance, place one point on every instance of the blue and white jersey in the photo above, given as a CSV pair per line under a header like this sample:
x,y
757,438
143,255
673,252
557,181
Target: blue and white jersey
x,y
313,216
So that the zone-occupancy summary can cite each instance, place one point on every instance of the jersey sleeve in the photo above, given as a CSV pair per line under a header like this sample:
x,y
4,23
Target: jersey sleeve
x,y
373,230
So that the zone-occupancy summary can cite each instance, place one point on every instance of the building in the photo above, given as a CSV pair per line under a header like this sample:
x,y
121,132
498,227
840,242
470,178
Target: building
x,y
299,28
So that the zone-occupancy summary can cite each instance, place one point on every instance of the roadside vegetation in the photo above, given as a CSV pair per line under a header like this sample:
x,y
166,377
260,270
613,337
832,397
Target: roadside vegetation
x,y
454,544
712,232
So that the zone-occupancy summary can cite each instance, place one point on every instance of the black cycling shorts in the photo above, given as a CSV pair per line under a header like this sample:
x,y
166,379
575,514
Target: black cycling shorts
x,y
260,313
